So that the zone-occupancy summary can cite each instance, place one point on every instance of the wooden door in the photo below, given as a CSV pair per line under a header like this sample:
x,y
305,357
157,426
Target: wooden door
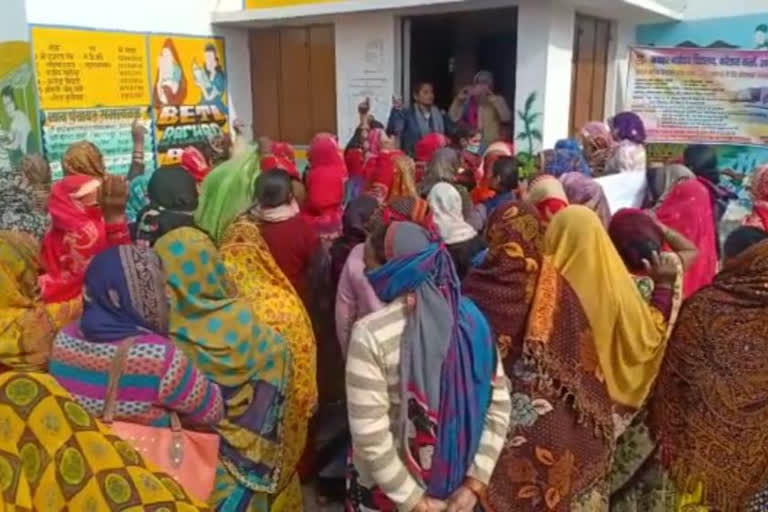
x,y
293,82
590,70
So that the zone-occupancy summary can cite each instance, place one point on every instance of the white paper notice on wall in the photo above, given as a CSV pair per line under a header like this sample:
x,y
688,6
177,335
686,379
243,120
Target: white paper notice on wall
x,y
365,65
624,190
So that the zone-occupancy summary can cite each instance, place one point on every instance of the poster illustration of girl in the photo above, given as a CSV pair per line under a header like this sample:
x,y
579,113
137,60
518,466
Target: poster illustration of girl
x,y
211,79
170,83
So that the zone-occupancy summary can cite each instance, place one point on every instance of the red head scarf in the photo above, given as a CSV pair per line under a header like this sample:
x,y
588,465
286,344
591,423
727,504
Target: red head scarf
x,y
427,146
688,210
325,180
547,195
194,162
635,234
281,155
77,234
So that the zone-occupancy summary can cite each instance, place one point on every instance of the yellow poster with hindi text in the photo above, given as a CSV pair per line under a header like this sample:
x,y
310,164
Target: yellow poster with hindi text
x,y
90,69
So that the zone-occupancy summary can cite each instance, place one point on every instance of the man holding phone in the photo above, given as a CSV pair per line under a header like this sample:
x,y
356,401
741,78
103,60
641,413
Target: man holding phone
x,y
480,108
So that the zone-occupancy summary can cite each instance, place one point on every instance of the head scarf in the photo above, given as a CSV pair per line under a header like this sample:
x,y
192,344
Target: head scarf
x,y
124,295
662,181
581,189
193,161
445,202
442,168
428,145
84,158
628,338
325,185
503,285
259,280
249,360
546,193
635,234
444,335
402,209
26,330
281,155
759,191
628,126
702,160
172,204
226,193
688,210
493,153
598,144
356,215
627,156
37,172
18,210
566,157
710,406
77,233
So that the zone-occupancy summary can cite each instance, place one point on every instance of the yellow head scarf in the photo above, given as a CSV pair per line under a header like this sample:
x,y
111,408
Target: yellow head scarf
x,y
630,336
26,330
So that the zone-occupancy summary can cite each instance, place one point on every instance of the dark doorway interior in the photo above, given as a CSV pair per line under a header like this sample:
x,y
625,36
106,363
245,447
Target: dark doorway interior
x,y
448,49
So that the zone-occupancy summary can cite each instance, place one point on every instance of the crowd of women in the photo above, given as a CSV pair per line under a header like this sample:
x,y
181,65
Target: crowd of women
x,y
495,336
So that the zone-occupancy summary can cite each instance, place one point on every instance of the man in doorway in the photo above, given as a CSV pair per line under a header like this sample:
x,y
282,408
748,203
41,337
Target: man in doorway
x,y
13,138
410,125
761,37
480,108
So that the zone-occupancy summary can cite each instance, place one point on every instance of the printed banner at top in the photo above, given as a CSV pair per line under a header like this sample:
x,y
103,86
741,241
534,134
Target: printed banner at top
x,y
189,93
700,95
87,69
267,4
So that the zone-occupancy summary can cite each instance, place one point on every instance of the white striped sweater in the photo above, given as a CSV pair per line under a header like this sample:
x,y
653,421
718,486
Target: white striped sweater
x,y
373,400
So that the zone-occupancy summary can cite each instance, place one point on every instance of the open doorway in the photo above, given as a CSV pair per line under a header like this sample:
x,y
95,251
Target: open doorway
x,y
449,49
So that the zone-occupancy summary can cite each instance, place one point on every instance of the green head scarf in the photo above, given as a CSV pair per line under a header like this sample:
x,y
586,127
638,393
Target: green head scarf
x,y
226,193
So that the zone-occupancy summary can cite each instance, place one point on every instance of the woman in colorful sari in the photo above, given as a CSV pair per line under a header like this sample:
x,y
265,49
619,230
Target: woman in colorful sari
x,y
589,362
502,285
708,410
80,229
484,173
275,303
637,235
64,472
628,155
325,180
425,433
661,181
462,240
125,305
251,362
759,189
355,297
687,209
566,157
226,193
394,177
582,189
425,150
598,146
19,210
172,204
546,193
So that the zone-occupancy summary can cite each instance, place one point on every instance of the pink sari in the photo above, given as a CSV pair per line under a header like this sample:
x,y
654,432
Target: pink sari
x,y
688,210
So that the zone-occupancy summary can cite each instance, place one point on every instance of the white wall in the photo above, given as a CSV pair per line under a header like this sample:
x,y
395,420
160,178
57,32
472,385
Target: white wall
x,y
365,67
189,17
13,23
544,55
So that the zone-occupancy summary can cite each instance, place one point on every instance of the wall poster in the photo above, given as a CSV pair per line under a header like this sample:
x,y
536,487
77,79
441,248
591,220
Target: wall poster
x,y
19,130
700,95
189,93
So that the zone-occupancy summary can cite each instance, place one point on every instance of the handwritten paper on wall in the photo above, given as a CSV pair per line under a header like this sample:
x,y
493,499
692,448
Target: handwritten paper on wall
x,y
108,128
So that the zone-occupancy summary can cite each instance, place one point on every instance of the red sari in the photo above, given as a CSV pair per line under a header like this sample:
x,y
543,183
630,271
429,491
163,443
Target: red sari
x,y
325,180
688,210
78,232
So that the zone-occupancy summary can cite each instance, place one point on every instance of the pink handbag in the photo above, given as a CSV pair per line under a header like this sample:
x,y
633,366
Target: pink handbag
x,y
189,457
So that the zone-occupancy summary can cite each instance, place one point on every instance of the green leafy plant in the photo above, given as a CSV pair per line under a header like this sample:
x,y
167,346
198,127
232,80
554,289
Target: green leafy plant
x,y
530,134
